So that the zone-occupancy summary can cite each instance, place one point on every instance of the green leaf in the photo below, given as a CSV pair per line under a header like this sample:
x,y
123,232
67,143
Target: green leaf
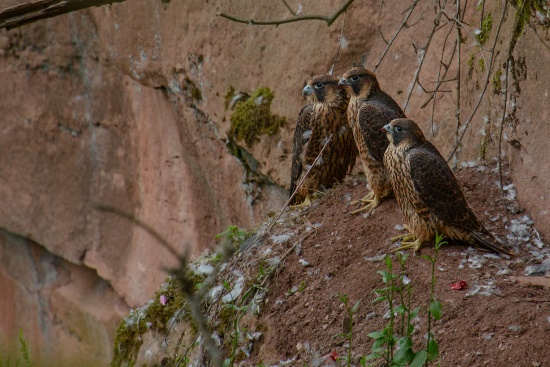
x,y
373,356
379,299
226,285
433,350
400,309
376,335
404,353
415,312
389,263
429,258
226,362
343,298
419,359
355,307
435,309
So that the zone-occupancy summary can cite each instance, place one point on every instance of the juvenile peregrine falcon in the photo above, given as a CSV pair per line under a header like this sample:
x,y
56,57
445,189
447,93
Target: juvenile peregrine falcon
x,y
324,118
368,111
427,191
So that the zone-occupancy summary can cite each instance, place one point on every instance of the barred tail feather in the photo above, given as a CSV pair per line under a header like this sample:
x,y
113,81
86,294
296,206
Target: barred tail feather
x,y
489,242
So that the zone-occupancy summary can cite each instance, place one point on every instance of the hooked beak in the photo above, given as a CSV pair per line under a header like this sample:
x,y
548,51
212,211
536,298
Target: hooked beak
x,y
307,91
343,81
386,128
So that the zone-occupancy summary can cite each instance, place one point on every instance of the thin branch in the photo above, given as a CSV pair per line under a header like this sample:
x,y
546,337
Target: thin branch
x,y
489,70
539,36
34,10
331,72
458,39
289,8
298,186
508,64
423,54
328,19
401,26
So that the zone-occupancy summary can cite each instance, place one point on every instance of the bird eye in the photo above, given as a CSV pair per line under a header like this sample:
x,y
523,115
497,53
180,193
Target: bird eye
x,y
355,78
398,128
318,85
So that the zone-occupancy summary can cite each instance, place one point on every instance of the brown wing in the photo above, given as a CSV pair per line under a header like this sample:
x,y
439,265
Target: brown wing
x,y
374,113
438,189
302,135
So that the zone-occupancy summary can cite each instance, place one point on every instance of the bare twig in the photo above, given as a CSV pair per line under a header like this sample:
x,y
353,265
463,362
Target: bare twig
x,y
289,8
508,65
489,70
141,224
328,19
458,39
340,39
34,10
424,51
298,186
390,42
539,36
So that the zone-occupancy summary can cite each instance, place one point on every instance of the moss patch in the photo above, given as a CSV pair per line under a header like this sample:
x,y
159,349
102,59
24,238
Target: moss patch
x,y
485,31
253,117
497,86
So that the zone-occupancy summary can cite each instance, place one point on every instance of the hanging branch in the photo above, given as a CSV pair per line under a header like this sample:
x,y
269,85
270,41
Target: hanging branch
x,y
401,26
489,71
289,8
458,39
328,19
424,52
331,72
30,12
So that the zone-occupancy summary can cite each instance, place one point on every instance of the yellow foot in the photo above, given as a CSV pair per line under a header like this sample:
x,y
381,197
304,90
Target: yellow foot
x,y
304,204
415,245
369,202
406,237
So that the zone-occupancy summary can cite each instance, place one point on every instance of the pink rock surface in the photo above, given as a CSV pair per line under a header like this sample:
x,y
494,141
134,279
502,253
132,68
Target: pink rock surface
x,y
98,107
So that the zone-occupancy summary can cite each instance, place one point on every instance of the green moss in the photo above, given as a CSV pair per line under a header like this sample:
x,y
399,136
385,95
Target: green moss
x,y
497,87
471,62
481,64
485,31
193,90
253,117
152,316
483,147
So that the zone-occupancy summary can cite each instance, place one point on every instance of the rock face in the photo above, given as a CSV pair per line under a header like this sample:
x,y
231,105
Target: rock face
x,y
124,106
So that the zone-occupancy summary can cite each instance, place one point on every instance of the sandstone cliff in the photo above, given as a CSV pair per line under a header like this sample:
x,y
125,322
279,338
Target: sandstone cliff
x,y
125,105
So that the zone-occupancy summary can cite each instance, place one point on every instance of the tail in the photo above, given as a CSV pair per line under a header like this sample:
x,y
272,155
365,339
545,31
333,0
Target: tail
x,y
487,241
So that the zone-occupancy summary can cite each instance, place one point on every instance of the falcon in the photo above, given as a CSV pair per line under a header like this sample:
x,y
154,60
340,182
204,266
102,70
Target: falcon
x,y
428,193
322,120
368,111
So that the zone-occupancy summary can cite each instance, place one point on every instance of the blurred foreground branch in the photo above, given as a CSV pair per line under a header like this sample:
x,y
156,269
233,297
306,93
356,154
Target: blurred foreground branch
x,y
33,10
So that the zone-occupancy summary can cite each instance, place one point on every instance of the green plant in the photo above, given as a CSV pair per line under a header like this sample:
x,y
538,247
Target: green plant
x,y
348,326
253,117
485,31
24,350
394,344
234,234
238,312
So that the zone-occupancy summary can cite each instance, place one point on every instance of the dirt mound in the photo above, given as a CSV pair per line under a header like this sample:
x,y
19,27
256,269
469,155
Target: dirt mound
x,y
285,292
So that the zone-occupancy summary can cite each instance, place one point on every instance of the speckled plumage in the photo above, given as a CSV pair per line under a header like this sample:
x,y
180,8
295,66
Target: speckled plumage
x,y
325,116
368,111
427,191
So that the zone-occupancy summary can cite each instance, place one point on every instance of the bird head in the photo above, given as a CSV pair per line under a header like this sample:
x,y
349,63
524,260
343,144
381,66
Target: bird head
x,y
324,89
360,82
403,131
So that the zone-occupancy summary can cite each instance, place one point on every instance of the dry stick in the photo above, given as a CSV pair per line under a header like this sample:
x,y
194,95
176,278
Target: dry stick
x,y
508,64
390,42
534,29
194,301
291,196
331,72
489,70
440,79
289,8
423,56
328,19
458,37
